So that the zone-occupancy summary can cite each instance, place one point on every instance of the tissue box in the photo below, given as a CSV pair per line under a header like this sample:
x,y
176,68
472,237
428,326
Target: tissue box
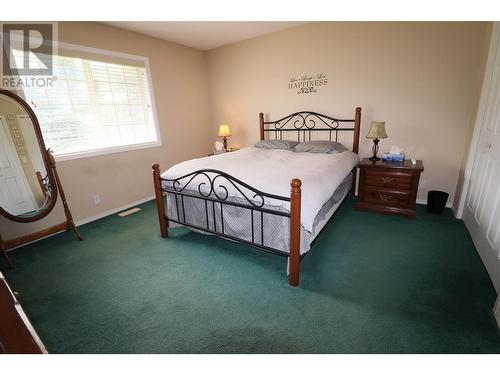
x,y
393,158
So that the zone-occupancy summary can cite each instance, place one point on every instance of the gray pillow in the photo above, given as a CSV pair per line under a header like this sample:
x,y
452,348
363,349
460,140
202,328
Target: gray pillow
x,y
321,147
276,144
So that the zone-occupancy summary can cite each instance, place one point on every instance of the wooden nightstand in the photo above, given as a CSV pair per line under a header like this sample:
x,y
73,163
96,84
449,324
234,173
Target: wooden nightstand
x,y
389,187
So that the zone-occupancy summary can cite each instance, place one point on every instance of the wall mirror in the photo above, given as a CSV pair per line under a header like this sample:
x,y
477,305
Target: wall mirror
x,y
29,184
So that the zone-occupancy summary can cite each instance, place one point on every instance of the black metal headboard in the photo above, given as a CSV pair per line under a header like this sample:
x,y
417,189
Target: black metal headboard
x,y
306,122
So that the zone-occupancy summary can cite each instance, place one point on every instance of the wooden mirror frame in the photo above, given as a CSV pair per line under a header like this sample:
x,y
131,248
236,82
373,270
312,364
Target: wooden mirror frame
x,y
46,161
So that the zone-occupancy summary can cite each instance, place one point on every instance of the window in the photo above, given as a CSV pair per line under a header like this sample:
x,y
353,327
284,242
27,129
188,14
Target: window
x,y
97,104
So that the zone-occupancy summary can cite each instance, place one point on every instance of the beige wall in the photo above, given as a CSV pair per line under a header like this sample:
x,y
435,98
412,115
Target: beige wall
x,y
421,78
180,87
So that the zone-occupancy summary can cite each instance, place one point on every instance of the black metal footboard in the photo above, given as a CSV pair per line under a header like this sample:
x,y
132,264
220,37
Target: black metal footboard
x,y
212,187
217,191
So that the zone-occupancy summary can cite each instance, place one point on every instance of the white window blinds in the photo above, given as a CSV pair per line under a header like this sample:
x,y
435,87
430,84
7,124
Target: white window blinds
x,y
93,105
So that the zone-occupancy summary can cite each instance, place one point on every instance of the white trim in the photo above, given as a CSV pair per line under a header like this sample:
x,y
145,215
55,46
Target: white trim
x,y
105,151
97,51
112,150
95,217
113,211
147,66
479,119
82,48
123,148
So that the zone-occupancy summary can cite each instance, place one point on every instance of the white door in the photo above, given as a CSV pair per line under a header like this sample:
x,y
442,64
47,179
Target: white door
x,y
15,194
31,143
482,205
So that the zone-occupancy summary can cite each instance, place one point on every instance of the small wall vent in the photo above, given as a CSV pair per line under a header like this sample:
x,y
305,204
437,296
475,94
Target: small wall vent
x,y
129,212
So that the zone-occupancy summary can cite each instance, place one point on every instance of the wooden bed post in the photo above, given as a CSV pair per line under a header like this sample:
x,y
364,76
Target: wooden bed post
x,y
355,145
160,203
261,122
295,198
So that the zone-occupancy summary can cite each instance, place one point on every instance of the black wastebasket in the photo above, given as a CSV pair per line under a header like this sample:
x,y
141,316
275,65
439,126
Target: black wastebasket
x,y
436,201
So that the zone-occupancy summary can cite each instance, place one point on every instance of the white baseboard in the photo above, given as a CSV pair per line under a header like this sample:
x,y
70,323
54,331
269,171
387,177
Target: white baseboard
x,y
113,211
496,311
93,218
424,201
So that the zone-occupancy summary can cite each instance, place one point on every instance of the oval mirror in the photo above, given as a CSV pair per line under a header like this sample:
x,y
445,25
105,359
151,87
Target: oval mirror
x,y
28,191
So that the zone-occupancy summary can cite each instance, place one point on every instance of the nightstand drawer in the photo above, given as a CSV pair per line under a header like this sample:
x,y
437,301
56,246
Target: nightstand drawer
x,y
393,180
389,187
386,197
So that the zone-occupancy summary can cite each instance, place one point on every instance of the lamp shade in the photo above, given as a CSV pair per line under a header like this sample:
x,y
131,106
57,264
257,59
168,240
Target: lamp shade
x,y
224,130
377,130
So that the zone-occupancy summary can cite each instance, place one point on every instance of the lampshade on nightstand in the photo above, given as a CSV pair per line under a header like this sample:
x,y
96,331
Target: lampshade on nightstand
x,y
224,132
376,132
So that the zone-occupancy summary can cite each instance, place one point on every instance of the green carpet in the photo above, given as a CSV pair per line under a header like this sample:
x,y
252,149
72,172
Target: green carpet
x,y
371,284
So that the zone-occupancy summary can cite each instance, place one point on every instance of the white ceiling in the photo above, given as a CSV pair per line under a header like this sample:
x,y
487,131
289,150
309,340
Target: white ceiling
x,y
204,35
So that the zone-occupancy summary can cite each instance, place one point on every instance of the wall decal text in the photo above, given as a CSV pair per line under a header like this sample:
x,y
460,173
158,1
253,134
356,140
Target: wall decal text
x,y
307,83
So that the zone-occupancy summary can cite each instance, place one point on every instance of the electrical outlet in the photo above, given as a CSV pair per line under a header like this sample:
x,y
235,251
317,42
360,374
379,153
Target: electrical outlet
x,y
421,184
97,199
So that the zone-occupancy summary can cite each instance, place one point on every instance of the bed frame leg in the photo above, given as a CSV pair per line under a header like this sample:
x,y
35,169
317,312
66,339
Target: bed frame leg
x,y
160,201
353,187
355,145
294,260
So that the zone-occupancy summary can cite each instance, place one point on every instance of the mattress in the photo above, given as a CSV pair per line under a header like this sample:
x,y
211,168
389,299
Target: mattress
x,y
269,171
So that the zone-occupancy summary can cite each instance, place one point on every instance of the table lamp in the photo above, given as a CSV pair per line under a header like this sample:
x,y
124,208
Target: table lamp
x,y
224,133
376,132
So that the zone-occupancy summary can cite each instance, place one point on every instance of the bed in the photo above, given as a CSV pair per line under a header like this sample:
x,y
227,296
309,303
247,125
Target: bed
x,y
275,200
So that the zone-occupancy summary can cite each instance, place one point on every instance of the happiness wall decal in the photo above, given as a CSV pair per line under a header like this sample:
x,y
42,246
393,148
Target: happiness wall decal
x,y
307,83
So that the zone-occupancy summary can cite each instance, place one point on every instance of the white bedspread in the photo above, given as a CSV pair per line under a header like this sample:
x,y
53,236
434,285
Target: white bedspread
x,y
271,171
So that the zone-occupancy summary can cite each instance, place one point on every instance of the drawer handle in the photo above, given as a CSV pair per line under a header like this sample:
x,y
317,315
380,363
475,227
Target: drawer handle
x,y
384,197
387,180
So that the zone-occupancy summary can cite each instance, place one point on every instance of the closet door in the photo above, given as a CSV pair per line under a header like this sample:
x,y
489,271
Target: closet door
x,y
482,208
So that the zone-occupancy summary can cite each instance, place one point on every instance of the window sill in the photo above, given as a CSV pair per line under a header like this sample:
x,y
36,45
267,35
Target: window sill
x,y
105,151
